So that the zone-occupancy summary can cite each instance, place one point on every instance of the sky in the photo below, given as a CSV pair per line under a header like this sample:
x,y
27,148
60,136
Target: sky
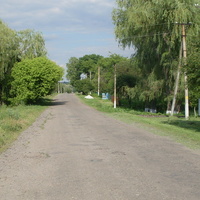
x,y
71,28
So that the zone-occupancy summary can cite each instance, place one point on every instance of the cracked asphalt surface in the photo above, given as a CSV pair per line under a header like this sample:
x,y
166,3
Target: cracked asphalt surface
x,y
75,152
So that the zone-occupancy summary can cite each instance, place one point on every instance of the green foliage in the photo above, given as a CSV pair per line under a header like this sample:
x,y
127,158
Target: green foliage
x,y
152,21
63,87
150,27
107,71
193,73
127,75
84,65
16,46
89,63
73,70
34,79
8,56
31,44
107,75
68,89
85,86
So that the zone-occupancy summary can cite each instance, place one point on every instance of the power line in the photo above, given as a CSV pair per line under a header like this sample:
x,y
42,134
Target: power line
x,y
150,35
154,25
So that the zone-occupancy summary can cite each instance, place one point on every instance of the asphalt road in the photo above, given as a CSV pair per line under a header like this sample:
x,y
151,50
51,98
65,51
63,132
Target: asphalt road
x,y
75,152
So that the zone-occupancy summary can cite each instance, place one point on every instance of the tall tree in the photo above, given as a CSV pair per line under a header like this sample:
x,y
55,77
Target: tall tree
x,y
88,63
73,70
15,47
150,27
8,56
84,65
193,72
107,72
31,44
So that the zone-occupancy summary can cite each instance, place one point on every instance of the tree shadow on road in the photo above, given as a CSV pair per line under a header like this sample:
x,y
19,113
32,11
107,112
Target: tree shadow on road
x,y
50,102
57,103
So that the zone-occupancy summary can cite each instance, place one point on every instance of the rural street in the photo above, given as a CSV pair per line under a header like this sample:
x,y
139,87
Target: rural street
x,y
73,152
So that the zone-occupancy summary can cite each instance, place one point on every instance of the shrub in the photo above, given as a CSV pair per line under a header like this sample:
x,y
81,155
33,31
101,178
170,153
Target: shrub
x,y
85,86
33,79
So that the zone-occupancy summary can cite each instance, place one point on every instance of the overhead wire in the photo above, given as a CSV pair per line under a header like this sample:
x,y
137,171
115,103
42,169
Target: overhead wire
x,y
150,35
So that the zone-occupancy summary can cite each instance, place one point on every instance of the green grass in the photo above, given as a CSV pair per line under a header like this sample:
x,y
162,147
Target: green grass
x,y
14,120
177,128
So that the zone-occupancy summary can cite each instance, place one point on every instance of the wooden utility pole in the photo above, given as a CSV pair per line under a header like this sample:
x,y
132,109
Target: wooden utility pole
x,y
177,80
185,62
58,87
99,79
115,86
90,75
185,75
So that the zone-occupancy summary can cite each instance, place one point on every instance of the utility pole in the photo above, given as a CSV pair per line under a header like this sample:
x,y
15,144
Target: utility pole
x,y
58,87
90,75
115,86
177,80
185,62
185,75
99,80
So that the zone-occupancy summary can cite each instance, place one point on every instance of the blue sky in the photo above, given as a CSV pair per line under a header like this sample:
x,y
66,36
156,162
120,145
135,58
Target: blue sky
x,y
71,28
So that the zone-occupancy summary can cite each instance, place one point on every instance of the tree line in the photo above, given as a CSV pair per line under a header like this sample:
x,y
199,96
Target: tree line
x,y
26,74
147,79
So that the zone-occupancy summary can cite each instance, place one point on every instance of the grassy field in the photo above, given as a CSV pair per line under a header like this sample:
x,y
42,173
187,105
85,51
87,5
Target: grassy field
x,y
177,128
13,120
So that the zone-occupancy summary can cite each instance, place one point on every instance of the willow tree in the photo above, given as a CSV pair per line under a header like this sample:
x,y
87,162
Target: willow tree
x,y
8,56
150,27
31,44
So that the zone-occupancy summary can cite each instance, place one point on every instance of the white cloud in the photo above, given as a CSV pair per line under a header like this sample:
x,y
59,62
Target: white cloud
x,y
70,27
42,13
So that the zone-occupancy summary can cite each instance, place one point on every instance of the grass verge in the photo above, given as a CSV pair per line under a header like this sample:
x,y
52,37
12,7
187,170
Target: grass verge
x,y
177,128
14,120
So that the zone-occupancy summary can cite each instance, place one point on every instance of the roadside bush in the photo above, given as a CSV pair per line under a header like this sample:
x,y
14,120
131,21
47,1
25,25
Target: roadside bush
x,y
85,86
33,79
